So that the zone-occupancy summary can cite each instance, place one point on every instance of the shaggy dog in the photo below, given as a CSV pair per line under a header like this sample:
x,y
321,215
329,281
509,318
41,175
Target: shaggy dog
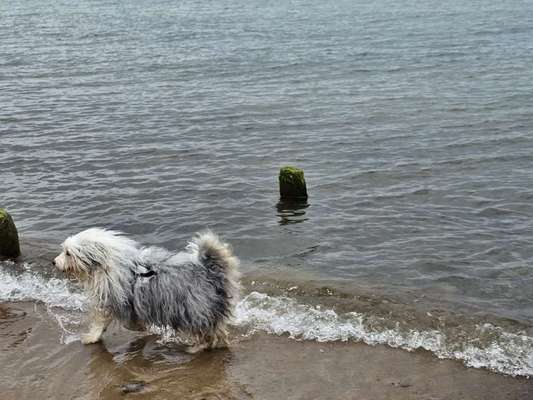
x,y
192,292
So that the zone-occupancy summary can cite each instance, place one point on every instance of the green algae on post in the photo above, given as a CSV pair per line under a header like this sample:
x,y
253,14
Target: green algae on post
x,y
9,238
292,183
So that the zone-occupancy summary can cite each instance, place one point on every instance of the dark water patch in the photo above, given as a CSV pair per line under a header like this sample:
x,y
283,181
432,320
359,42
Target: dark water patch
x,y
291,211
494,212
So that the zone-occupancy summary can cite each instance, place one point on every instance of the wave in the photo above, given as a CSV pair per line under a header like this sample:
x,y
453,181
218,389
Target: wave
x,y
507,353
29,286
485,346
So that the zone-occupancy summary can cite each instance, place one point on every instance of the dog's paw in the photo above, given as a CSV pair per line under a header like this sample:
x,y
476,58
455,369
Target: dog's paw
x,y
88,338
196,349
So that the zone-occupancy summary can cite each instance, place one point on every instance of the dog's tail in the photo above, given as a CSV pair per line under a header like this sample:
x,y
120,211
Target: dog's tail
x,y
216,255
212,252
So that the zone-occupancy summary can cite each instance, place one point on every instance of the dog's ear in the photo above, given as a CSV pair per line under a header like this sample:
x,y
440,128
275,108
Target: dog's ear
x,y
97,257
93,262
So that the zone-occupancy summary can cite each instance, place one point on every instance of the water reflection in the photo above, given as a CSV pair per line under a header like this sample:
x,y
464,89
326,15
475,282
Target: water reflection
x,y
152,369
291,211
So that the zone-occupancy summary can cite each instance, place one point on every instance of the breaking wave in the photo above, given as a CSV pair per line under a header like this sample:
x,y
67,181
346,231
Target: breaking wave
x,y
508,353
29,286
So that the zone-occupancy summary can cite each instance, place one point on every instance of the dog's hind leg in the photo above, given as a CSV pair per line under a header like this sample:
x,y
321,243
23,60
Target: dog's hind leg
x,y
99,320
220,338
197,348
216,340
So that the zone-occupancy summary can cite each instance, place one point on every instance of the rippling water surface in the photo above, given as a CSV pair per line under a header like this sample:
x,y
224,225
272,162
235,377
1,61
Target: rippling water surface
x,y
413,122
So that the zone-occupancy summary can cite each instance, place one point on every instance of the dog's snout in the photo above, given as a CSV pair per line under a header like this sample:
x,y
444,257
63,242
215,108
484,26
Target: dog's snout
x,y
53,262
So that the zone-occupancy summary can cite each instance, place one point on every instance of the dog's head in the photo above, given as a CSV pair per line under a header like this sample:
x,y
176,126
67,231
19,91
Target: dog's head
x,y
90,250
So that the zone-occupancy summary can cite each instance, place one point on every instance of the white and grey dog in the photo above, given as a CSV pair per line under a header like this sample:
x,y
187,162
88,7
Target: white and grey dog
x,y
193,292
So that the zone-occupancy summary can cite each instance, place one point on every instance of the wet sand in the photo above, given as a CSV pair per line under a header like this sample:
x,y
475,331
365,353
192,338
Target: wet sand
x,y
34,364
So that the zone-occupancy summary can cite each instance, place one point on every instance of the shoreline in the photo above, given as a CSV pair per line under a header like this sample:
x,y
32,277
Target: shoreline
x,y
259,366
298,306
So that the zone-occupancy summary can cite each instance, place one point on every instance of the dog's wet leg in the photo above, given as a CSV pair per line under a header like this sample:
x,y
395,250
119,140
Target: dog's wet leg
x,y
220,338
196,348
99,321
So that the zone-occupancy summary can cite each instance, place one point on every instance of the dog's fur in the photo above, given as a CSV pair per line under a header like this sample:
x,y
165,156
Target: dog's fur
x,y
192,292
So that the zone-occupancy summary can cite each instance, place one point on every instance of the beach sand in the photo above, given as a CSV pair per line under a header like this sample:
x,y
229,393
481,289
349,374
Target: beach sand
x,y
36,365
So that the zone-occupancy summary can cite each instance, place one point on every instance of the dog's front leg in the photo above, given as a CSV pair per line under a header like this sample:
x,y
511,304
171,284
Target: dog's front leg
x,y
99,320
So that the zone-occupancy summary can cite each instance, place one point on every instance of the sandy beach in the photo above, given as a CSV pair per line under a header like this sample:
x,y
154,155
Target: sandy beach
x,y
36,365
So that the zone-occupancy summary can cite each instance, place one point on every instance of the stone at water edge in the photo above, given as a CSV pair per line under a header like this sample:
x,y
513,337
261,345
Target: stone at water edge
x,y
133,387
292,183
9,238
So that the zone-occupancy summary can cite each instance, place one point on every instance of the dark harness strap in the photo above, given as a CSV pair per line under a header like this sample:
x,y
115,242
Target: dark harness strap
x,y
137,275
149,271
145,274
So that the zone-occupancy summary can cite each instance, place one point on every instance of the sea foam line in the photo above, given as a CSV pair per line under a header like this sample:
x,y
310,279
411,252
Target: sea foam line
x,y
511,354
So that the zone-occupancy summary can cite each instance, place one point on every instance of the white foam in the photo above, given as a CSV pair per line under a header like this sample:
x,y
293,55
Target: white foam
x,y
508,353
30,286
511,354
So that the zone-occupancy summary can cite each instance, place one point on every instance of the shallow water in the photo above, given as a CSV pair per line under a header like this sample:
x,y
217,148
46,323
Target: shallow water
x,y
256,367
412,122
301,310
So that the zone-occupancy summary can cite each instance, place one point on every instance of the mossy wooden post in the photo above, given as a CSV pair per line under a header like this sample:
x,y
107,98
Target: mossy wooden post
x,y
9,238
292,184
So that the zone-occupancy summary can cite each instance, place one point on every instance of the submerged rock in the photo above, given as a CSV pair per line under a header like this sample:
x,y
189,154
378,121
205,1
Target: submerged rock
x,y
292,183
9,239
132,387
